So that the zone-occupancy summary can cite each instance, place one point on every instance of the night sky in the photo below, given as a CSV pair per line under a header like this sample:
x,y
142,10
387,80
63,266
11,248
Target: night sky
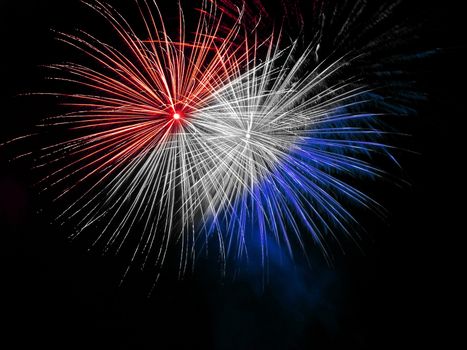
x,y
389,292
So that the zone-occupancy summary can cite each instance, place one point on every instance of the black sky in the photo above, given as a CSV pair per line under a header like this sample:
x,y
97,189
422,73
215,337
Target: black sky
x,y
56,293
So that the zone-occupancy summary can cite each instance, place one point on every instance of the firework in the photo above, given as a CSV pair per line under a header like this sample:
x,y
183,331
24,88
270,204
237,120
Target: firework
x,y
297,125
134,151
282,138
224,132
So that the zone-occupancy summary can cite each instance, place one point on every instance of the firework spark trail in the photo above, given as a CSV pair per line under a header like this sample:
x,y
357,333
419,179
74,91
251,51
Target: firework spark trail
x,y
135,124
280,139
221,133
